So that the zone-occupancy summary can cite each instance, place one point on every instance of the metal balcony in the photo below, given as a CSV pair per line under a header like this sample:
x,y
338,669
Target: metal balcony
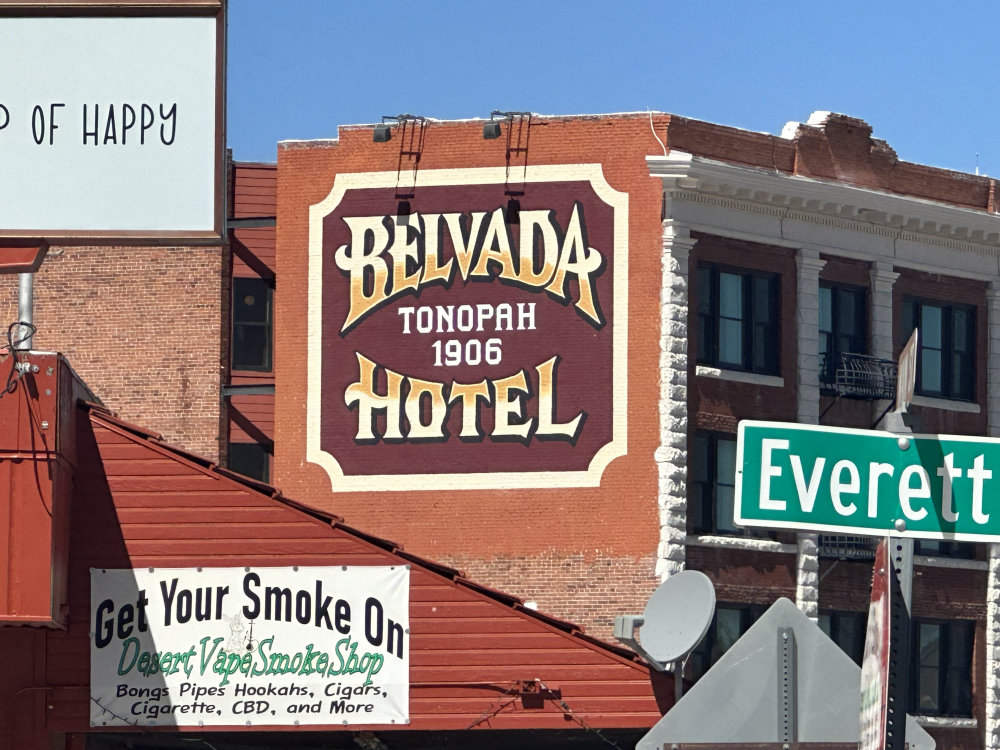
x,y
860,376
861,548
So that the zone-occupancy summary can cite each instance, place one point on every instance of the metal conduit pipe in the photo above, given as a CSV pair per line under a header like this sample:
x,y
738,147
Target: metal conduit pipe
x,y
25,309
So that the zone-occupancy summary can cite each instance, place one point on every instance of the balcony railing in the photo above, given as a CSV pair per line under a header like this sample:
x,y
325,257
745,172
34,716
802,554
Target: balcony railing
x,y
847,547
859,376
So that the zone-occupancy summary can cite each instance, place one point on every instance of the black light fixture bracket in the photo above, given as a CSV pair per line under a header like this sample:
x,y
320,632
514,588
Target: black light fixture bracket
x,y
383,131
491,129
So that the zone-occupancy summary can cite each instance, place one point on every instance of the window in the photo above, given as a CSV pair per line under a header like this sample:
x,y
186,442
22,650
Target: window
x,y
250,460
847,630
942,662
934,548
946,358
738,320
729,623
712,480
251,349
842,327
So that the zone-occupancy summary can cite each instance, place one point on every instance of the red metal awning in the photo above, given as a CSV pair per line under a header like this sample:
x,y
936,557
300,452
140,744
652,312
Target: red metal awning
x,y
22,256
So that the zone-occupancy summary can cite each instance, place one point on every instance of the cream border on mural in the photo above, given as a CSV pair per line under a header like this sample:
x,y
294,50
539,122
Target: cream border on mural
x,y
486,480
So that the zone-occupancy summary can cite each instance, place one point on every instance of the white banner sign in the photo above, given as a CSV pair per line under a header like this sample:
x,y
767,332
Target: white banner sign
x,y
249,646
108,124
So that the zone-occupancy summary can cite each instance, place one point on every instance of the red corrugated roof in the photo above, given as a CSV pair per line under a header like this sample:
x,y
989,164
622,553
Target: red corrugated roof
x,y
102,415
474,651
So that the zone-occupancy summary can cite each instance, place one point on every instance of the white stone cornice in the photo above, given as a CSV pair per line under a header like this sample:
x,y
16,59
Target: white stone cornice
x,y
882,273
836,205
809,262
677,238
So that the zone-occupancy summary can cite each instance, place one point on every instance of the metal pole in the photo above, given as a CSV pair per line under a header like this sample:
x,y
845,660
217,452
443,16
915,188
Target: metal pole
x,y
901,548
25,310
901,582
901,559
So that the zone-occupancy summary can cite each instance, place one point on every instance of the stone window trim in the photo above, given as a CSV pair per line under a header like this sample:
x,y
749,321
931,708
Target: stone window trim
x,y
753,544
947,722
739,376
946,404
952,563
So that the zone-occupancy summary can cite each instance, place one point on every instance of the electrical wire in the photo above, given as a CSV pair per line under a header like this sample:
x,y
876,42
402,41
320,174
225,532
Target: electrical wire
x,y
495,708
12,349
569,714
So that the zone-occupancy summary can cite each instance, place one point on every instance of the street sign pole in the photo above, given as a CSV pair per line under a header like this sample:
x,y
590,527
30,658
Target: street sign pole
x,y
906,380
889,483
900,577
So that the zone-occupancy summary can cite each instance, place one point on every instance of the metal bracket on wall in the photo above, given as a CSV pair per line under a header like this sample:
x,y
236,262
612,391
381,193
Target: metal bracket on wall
x,y
247,390
251,222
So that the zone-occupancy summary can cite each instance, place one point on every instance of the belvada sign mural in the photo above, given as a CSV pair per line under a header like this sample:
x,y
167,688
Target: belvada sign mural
x,y
249,646
455,343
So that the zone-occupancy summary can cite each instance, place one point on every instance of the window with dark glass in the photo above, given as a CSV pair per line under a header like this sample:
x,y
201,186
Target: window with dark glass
x,y
251,347
712,482
251,460
946,354
729,623
847,630
842,327
940,675
935,548
738,319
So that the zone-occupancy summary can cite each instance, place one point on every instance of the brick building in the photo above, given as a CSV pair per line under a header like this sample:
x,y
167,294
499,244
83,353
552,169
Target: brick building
x,y
757,265
95,506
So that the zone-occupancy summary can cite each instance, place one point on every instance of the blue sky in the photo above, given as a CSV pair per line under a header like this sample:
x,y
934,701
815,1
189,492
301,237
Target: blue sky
x,y
924,75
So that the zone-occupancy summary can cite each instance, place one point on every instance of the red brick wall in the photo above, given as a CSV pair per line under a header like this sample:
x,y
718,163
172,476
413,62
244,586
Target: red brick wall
x,y
841,149
144,329
250,418
589,590
582,553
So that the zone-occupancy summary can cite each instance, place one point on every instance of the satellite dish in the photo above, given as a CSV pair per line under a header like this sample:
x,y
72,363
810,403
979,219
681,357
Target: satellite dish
x,y
677,616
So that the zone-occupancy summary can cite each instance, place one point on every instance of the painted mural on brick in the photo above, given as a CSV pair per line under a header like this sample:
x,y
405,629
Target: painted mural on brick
x,y
250,646
462,339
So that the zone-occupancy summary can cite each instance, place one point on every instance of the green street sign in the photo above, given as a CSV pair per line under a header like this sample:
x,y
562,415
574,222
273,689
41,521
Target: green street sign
x,y
849,481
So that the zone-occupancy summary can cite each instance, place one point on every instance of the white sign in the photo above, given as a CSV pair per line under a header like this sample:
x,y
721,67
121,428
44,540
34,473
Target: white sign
x,y
108,125
906,372
249,646
875,666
